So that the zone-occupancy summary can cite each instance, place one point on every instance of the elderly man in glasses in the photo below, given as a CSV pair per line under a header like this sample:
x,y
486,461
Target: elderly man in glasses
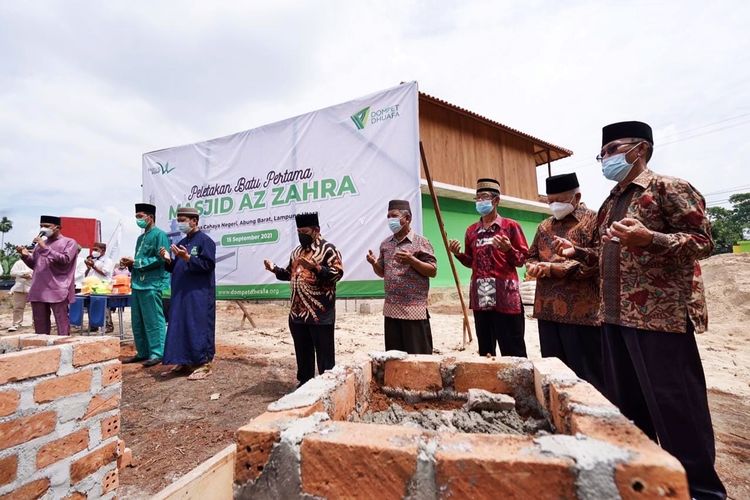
x,y
494,247
650,233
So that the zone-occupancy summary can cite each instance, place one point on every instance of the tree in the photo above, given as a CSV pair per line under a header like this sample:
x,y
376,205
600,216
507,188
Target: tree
x,y
727,223
5,226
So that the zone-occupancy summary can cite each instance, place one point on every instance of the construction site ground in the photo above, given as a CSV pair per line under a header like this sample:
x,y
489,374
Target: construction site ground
x,y
172,424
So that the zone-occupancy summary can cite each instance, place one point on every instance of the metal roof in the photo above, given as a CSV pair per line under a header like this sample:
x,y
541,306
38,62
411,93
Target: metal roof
x,y
541,148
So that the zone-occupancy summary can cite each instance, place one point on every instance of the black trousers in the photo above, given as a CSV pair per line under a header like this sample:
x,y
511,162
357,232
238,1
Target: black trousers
x,y
412,336
578,346
311,342
505,330
656,379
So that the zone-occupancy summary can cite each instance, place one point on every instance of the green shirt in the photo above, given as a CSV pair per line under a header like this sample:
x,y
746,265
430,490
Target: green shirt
x,y
148,271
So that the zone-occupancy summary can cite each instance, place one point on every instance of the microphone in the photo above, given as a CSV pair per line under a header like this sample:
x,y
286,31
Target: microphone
x,y
41,234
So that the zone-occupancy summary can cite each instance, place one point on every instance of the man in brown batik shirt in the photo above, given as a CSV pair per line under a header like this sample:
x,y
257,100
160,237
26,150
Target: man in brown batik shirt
x,y
567,291
651,231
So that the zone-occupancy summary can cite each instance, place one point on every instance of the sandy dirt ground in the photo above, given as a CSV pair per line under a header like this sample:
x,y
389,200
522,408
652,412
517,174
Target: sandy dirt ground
x,y
172,424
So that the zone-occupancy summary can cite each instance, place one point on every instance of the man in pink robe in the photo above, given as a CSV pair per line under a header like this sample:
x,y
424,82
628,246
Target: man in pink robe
x,y
54,263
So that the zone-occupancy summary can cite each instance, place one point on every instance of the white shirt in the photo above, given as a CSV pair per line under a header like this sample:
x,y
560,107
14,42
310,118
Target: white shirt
x,y
102,269
22,284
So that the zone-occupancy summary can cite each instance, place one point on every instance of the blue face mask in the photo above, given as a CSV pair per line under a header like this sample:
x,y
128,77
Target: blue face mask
x,y
183,227
616,167
394,223
484,207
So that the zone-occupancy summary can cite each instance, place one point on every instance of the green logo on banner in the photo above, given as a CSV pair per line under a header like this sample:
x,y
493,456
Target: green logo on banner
x,y
360,117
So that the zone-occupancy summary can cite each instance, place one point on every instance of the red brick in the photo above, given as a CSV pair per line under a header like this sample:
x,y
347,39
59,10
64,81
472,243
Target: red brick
x,y
95,351
62,448
415,373
349,460
545,371
254,444
29,491
100,404
49,390
651,475
616,430
92,462
343,399
565,398
36,341
125,459
111,481
15,366
8,469
76,495
112,374
9,402
480,374
25,429
110,426
500,466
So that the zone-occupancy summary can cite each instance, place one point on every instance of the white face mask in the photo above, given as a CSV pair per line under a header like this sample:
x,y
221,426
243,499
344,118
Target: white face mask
x,y
46,230
96,254
561,210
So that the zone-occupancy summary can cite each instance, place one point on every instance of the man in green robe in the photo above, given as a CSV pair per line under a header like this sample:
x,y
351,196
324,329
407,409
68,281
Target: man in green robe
x,y
148,279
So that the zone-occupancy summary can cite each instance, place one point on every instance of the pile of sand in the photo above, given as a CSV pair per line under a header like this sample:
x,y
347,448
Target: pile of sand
x,y
727,281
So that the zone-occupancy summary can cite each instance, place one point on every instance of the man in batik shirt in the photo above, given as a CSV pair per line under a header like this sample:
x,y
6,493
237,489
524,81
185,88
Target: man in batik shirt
x,y
314,269
567,291
651,231
406,262
494,247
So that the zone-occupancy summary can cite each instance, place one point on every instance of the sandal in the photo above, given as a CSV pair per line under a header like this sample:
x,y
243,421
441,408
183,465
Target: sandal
x,y
200,373
175,370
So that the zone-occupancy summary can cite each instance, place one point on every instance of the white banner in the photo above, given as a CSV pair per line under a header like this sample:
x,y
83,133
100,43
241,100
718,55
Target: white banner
x,y
344,162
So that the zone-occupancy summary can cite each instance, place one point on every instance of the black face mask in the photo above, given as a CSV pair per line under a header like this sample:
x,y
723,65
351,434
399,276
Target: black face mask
x,y
305,240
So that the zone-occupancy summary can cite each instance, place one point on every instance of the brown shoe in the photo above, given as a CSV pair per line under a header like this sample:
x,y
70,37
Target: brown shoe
x,y
132,359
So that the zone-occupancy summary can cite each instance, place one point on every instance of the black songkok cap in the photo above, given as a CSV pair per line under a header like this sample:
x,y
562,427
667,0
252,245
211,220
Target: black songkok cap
x,y
49,219
146,208
398,205
307,220
488,185
561,183
624,130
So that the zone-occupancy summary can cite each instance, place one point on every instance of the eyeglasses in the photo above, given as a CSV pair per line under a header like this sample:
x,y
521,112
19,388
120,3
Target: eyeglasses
x,y
610,149
483,197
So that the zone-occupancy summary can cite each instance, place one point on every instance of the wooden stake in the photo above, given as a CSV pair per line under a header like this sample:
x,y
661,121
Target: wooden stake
x,y
245,314
438,214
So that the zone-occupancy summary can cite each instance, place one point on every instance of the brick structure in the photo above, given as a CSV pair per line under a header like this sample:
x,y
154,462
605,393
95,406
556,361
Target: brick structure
x,y
306,443
59,416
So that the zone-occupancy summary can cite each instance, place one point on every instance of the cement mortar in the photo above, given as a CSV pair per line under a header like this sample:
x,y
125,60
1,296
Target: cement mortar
x,y
482,422
595,463
422,485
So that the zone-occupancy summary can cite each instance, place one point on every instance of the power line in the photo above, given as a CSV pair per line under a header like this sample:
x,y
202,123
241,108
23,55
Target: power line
x,y
729,190
705,126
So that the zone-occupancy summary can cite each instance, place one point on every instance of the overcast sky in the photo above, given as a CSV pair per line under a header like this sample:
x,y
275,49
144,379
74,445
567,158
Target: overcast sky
x,y
87,87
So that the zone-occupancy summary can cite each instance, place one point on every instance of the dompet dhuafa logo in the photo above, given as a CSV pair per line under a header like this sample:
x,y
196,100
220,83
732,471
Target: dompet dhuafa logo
x,y
362,117
161,169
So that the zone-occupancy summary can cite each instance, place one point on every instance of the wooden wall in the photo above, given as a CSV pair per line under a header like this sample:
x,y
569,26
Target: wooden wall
x,y
461,149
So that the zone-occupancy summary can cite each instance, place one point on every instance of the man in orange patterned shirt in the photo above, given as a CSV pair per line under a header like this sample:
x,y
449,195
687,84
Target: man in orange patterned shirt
x,y
567,291
651,231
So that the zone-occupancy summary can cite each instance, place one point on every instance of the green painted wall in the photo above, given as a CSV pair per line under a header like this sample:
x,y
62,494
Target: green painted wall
x,y
457,216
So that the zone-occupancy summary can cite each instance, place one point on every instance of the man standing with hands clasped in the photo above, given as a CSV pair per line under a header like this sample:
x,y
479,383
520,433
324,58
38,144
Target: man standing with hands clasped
x,y
148,280
190,344
494,247
314,269
650,233
407,262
